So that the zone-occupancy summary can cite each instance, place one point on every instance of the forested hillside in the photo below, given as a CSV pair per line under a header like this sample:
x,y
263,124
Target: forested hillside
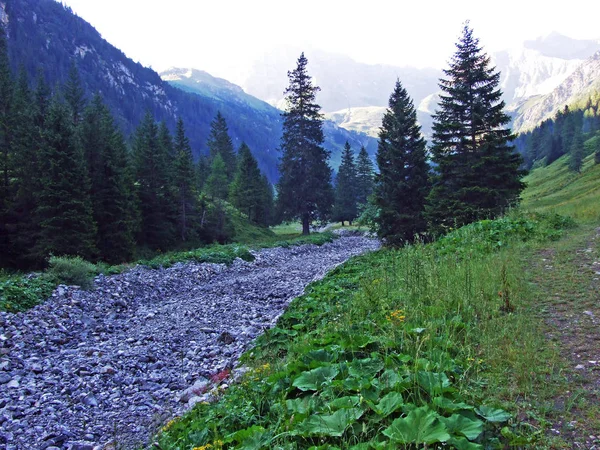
x,y
45,35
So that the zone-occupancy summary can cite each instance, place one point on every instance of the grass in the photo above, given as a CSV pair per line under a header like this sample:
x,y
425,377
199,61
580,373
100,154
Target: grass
x,y
416,346
555,189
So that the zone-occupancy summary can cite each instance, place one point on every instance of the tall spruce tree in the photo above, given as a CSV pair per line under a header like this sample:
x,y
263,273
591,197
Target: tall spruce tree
x,y
266,215
6,125
402,184
219,142
64,209
365,176
476,169
346,188
304,189
110,190
152,177
26,174
74,94
576,154
216,185
185,183
247,190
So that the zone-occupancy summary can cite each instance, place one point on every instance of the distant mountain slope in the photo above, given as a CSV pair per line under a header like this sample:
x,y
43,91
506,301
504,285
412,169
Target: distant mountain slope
x,y
45,34
581,84
259,113
344,83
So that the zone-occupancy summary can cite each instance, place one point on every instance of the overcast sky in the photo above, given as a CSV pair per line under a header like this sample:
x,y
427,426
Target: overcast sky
x,y
224,36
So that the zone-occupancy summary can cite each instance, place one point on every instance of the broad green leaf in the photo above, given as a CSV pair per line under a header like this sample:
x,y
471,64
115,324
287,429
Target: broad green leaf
x,y
313,380
460,443
493,414
318,357
434,383
389,404
365,368
421,426
458,424
331,425
253,438
300,405
448,405
389,379
344,402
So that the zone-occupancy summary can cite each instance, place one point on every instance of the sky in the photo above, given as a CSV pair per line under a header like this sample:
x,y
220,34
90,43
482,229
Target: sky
x,y
224,37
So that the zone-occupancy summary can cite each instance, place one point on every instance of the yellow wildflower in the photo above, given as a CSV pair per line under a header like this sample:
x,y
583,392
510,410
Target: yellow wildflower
x,y
396,317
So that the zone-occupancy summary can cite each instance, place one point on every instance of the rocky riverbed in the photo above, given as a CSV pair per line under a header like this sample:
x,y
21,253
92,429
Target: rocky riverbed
x,y
112,365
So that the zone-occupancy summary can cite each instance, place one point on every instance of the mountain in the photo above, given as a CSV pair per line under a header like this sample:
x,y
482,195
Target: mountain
x,y
257,113
577,88
344,83
46,35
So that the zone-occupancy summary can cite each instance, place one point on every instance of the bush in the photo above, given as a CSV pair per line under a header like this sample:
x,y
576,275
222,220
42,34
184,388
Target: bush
x,y
71,271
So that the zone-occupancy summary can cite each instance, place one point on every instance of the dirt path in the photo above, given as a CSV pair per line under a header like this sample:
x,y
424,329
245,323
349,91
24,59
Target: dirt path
x,y
570,280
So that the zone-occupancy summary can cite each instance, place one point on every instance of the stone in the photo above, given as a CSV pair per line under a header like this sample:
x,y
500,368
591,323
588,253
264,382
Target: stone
x,y
13,384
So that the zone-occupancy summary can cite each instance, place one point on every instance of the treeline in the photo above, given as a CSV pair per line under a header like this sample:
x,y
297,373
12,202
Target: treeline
x,y
72,185
574,131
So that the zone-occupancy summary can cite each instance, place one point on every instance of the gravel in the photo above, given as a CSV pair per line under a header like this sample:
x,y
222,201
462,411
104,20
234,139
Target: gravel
x,y
89,368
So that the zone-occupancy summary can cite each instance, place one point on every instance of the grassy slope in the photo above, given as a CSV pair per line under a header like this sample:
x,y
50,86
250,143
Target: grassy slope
x,y
470,307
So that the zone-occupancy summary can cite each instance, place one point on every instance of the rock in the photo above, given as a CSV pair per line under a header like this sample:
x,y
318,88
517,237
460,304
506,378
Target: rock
x,y
13,384
579,367
126,352
90,400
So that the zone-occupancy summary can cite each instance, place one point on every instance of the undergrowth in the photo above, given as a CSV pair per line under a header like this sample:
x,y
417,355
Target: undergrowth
x,y
430,345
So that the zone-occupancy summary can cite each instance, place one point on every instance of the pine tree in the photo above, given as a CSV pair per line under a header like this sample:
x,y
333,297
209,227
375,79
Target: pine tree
x,y
154,193
265,215
402,184
202,172
217,186
476,170
345,207
365,176
75,94
26,173
304,189
219,142
6,92
185,183
576,158
246,192
110,192
64,210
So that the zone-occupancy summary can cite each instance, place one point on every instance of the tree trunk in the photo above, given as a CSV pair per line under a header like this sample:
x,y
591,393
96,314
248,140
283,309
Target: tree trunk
x,y
305,225
343,223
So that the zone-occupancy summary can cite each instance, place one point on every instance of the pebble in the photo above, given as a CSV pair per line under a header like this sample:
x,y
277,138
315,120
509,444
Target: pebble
x,y
115,364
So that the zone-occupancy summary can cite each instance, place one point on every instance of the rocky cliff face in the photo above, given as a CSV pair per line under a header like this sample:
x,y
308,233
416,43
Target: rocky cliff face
x,y
584,81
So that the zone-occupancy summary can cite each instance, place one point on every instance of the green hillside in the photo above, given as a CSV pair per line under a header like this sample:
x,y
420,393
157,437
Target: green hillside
x,y
556,189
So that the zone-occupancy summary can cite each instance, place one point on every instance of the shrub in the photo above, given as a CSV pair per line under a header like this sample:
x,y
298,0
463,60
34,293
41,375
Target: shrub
x,y
71,271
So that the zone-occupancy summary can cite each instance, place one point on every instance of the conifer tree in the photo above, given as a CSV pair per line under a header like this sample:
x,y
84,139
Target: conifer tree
x,y
346,192
246,192
402,184
202,172
110,192
219,142
185,183
217,186
365,176
26,173
153,186
64,210
265,215
576,157
6,130
74,94
476,169
304,189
